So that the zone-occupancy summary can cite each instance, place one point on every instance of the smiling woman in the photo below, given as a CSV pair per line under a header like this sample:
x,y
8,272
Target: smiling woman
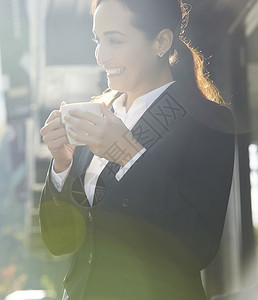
x,y
141,204
185,62
130,60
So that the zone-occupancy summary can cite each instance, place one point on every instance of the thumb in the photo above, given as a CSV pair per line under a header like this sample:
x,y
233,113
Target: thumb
x,y
106,112
62,103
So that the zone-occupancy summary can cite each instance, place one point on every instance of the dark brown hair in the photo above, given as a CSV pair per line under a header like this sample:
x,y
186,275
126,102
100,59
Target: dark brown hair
x,y
187,64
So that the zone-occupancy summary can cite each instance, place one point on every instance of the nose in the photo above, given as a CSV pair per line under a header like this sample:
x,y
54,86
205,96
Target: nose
x,y
102,54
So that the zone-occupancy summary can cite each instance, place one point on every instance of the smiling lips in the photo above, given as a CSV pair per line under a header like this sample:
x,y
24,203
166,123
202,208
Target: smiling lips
x,y
115,71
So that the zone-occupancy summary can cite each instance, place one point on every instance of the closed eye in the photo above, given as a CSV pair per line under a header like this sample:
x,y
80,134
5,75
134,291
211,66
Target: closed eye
x,y
114,41
111,41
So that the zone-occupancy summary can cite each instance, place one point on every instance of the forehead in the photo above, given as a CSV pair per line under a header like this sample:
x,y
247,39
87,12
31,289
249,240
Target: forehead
x,y
111,15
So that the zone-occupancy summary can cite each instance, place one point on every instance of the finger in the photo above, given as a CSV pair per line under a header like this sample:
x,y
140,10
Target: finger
x,y
55,144
86,115
51,126
62,104
84,125
78,137
54,135
54,114
107,112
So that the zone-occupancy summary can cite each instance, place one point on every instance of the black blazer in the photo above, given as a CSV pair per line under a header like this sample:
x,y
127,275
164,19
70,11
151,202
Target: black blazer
x,y
162,222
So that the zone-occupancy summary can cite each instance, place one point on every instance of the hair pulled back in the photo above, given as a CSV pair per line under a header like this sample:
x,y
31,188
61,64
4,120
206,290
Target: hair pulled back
x,y
187,64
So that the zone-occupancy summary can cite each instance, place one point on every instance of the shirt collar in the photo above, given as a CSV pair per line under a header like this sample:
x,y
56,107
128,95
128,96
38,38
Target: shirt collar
x,y
119,102
146,99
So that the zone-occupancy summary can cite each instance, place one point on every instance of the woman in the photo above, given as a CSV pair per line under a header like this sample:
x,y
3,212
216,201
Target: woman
x,y
142,205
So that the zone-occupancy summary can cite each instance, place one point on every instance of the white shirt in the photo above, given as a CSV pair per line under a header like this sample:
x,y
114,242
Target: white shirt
x,y
97,164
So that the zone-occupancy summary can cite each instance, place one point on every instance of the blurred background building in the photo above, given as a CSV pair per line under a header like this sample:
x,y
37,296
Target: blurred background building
x,y
47,56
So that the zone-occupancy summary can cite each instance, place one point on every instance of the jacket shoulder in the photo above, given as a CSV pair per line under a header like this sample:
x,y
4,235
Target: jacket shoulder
x,y
216,116
203,111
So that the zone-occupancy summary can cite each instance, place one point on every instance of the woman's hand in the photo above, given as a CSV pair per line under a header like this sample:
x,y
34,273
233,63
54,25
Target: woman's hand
x,y
106,136
54,136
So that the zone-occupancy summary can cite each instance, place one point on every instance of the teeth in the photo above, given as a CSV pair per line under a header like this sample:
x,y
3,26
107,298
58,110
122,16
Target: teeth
x,y
115,71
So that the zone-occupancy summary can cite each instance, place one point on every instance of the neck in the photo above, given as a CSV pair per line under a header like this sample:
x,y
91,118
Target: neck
x,y
133,95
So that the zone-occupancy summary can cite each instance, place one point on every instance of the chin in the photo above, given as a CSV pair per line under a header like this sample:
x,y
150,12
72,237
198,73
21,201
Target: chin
x,y
117,87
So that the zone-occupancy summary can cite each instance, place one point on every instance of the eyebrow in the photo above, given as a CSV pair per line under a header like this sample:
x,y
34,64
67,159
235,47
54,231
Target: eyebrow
x,y
110,32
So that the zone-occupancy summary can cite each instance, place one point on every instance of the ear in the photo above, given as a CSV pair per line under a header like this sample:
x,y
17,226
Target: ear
x,y
163,41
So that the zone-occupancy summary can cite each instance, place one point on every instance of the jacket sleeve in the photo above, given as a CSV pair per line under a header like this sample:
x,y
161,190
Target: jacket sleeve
x,y
204,188
62,225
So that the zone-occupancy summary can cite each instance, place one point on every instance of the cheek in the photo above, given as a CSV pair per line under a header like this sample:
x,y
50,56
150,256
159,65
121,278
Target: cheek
x,y
141,62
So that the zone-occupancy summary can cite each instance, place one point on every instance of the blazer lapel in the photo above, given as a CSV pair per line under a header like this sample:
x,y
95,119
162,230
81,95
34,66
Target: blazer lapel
x,y
154,124
82,159
158,119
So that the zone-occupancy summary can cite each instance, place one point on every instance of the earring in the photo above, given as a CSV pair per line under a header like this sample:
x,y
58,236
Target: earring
x,y
160,54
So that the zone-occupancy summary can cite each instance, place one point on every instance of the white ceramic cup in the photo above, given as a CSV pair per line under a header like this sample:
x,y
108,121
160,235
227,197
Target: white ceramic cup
x,y
92,107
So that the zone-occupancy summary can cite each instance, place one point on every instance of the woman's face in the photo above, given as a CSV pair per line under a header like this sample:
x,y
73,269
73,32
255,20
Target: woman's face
x,y
129,59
